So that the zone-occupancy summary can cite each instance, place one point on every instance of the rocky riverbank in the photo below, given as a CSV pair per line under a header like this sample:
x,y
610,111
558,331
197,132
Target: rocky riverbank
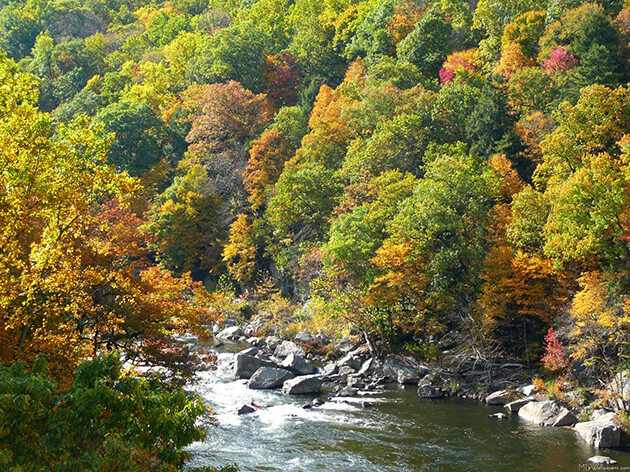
x,y
349,369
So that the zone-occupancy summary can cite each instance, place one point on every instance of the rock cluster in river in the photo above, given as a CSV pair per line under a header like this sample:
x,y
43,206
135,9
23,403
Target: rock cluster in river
x,y
281,363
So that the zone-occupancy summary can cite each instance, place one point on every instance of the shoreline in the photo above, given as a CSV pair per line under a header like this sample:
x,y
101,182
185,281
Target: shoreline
x,y
351,370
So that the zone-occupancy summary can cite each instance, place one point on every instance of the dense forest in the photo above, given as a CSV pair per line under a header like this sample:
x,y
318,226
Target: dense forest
x,y
446,178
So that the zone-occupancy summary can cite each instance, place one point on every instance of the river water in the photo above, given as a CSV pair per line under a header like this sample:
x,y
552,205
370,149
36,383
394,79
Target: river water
x,y
400,433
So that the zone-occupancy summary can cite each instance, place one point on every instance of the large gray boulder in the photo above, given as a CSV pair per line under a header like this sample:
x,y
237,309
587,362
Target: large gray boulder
x,y
500,397
269,377
547,413
404,370
287,347
516,405
367,367
330,368
233,332
600,432
350,360
298,365
245,366
303,385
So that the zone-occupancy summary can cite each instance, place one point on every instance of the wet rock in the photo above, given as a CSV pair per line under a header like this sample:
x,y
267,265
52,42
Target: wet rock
x,y
516,405
547,413
318,402
298,365
232,332
367,404
308,406
600,432
603,460
269,377
245,366
500,416
287,347
500,397
245,409
404,370
429,387
428,391
303,385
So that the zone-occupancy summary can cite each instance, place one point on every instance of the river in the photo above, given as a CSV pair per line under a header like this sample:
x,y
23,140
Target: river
x,y
399,433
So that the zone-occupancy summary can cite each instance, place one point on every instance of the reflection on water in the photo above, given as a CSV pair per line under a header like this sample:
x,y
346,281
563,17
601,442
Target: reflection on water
x,y
400,433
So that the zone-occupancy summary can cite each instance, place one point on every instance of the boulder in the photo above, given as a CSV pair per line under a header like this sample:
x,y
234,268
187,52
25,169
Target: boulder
x,y
330,368
252,351
499,398
322,338
298,365
367,404
516,405
287,347
232,332
269,377
546,413
355,380
600,432
304,337
344,346
604,460
346,370
347,392
245,409
303,385
527,390
318,402
428,391
367,367
245,366
255,341
350,360
404,370
429,387
272,342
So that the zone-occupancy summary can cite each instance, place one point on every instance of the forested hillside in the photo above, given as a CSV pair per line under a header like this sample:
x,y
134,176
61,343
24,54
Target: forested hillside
x,y
437,175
